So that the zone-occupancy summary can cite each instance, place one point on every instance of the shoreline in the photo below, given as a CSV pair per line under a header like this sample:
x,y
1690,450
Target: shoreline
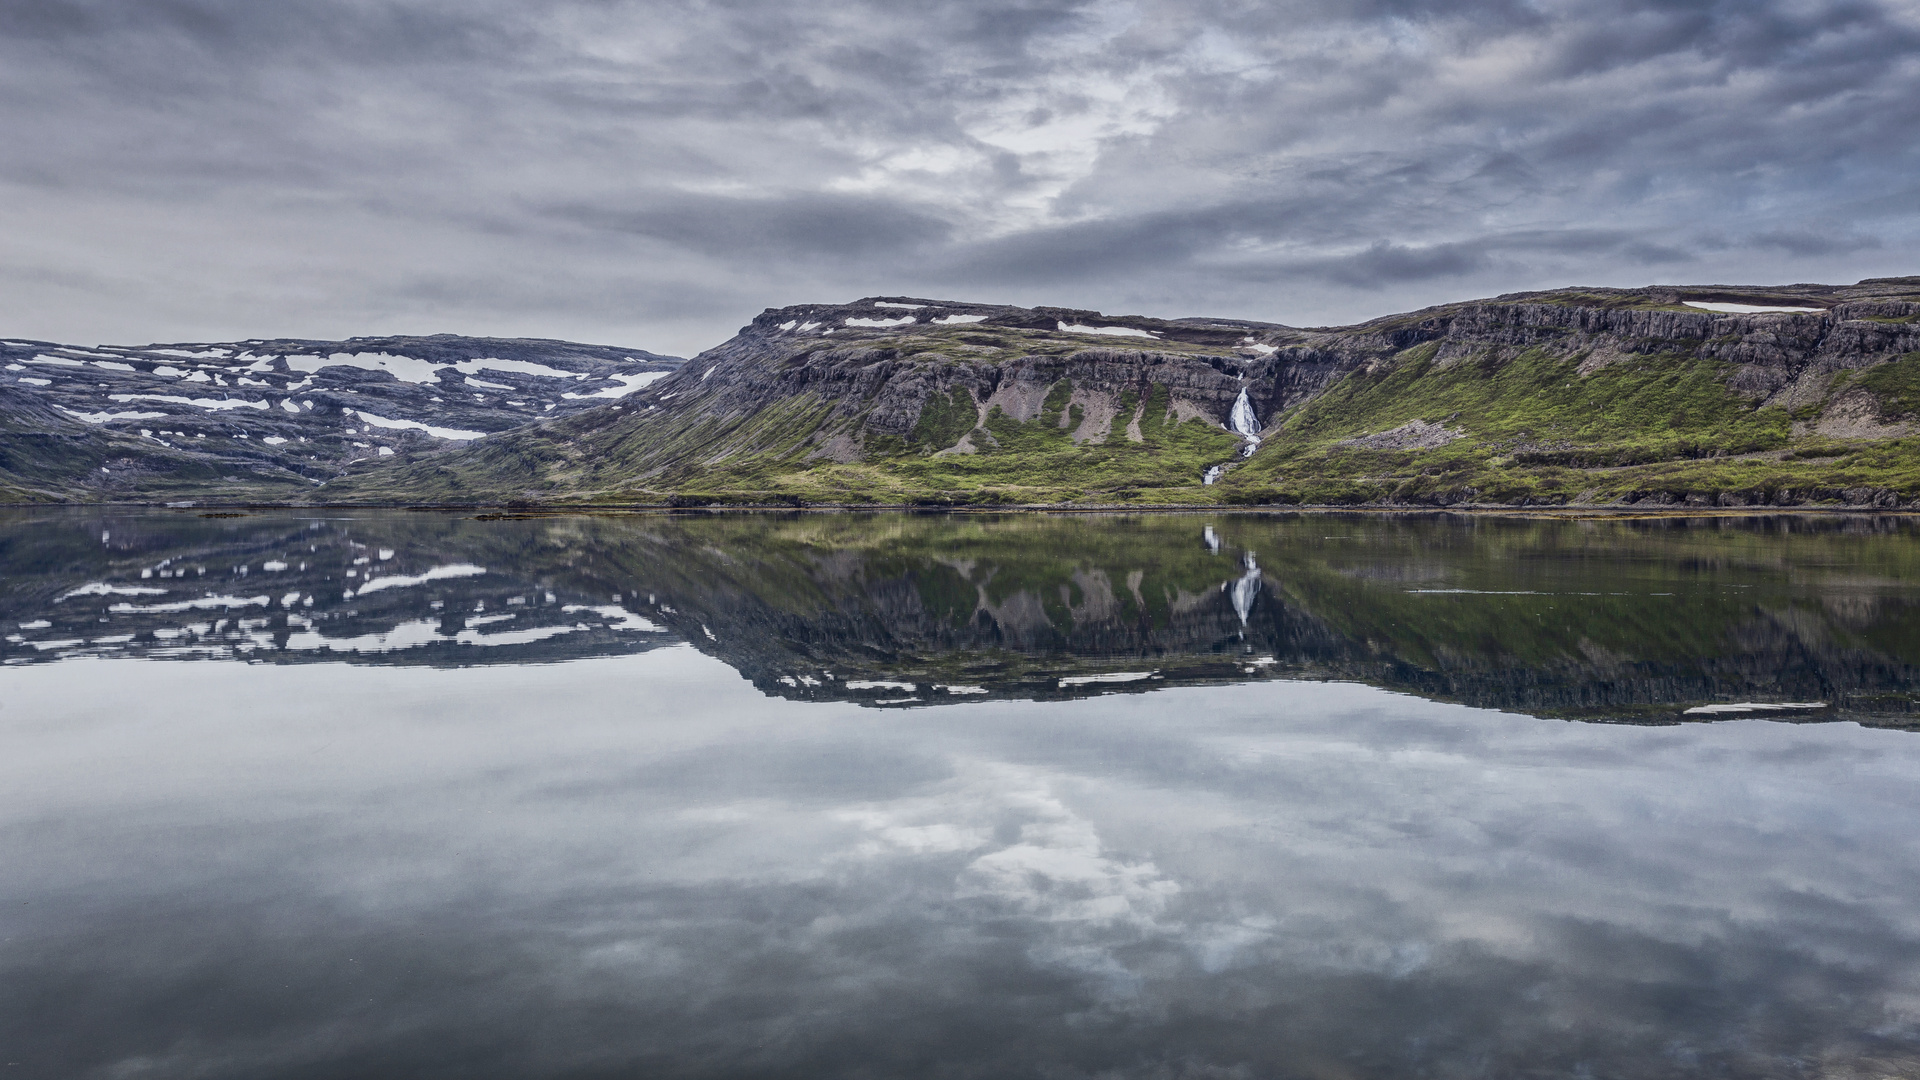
x,y
509,510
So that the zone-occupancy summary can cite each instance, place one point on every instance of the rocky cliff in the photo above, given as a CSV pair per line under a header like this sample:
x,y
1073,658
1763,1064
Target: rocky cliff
x,y
1791,395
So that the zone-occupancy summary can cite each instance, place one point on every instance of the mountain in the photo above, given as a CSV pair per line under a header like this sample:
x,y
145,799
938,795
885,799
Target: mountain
x,y
274,420
1709,395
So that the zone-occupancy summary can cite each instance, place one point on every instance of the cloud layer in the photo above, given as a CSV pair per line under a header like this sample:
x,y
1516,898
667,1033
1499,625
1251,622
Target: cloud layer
x,y
656,173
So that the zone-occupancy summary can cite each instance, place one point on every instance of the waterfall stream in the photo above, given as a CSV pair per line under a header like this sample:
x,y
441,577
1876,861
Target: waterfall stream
x,y
1242,422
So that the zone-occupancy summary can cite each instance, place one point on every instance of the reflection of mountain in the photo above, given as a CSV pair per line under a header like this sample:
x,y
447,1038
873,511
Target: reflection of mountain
x,y
407,589
1618,621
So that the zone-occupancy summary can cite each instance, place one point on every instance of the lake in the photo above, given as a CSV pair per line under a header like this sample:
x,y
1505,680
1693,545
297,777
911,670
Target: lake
x,y
326,794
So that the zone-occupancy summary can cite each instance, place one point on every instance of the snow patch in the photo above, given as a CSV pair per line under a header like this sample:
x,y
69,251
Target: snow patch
x,y
901,321
522,367
958,320
415,425
628,384
404,368
104,417
1750,309
1109,331
216,404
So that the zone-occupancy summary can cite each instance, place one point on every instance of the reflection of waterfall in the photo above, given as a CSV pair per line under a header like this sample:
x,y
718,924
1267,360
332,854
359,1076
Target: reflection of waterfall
x,y
1211,538
1244,590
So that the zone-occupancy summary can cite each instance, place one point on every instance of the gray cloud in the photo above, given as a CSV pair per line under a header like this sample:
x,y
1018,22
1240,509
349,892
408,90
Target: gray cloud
x,y
655,173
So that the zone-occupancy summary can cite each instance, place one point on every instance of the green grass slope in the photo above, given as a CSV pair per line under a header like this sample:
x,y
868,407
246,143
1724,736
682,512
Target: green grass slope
x,y
1602,397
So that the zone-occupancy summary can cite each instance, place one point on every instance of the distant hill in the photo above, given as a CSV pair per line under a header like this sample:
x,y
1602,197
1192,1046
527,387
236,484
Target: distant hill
x,y
276,420
1691,395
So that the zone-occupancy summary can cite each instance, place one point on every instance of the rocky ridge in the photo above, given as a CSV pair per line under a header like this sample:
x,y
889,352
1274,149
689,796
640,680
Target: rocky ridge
x,y
275,419
907,399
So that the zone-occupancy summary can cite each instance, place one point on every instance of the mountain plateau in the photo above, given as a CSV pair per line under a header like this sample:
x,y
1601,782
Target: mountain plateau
x,y
1664,396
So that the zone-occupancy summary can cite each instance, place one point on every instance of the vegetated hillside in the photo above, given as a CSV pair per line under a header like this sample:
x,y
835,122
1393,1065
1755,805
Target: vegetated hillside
x,y
272,420
1576,396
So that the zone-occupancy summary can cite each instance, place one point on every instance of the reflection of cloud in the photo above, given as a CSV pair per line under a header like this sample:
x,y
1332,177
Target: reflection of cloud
x,y
412,870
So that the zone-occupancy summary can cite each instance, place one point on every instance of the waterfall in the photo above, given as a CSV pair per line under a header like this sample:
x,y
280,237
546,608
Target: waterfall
x,y
1244,423
1242,420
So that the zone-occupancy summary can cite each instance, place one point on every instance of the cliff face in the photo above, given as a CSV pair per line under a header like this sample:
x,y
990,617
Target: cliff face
x,y
1783,395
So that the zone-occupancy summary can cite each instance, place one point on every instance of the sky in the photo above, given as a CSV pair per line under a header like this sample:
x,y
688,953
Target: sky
x,y
654,174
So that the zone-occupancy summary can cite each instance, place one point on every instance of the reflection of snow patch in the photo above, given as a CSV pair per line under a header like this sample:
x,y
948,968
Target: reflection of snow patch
x,y
1739,708
1110,677
438,573
514,637
98,588
407,635
877,684
626,620
203,604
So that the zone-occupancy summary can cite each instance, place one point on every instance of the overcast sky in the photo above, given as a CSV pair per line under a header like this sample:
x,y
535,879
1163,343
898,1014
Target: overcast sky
x,y
653,174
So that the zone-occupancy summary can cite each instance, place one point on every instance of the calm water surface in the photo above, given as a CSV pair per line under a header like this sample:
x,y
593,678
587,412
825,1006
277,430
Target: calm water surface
x,y
412,795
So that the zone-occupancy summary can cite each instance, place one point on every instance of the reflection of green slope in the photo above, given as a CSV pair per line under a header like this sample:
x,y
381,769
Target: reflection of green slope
x,y
1613,620
1620,619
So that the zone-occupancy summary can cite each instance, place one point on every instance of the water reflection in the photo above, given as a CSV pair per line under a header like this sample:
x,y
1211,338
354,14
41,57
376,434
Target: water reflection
x,y
401,839
1647,621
